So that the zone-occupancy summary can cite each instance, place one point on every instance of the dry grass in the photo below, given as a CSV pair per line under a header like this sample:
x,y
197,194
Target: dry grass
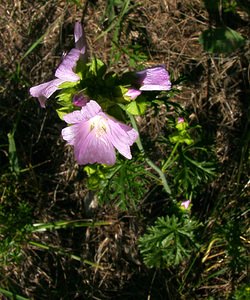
x,y
215,92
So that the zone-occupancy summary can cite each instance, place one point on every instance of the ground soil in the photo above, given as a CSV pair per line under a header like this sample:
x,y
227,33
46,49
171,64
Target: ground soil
x,y
215,92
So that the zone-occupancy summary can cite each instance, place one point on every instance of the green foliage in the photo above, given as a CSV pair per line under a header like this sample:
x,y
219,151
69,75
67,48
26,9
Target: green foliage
x,y
12,295
216,5
65,98
189,163
231,232
221,40
137,107
181,135
136,54
15,225
13,159
123,184
169,242
189,172
242,293
116,13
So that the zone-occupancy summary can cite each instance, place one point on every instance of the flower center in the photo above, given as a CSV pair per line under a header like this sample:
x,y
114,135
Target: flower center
x,y
99,125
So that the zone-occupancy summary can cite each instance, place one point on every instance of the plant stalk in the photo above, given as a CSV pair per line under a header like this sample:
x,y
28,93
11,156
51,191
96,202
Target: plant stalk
x,y
148,161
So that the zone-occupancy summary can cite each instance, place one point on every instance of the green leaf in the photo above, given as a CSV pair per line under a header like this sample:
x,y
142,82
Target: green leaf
x,y
68,84
12,295
97,67
62,111
137,107
13,160
65,97
169,242
221,40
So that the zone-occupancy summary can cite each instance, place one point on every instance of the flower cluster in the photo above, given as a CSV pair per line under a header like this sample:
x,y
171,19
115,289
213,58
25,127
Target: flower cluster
x,y
93,133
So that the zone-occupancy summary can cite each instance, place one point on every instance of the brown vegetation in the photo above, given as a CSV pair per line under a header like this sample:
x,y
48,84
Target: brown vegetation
x,y
216,93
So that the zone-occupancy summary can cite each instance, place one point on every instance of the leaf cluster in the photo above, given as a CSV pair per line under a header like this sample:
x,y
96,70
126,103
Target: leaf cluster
x,y
189,163
15,225
169,242
123,184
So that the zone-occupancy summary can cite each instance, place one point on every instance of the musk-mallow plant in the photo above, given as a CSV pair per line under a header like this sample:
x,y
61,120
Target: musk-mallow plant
x,y
100,108
96,103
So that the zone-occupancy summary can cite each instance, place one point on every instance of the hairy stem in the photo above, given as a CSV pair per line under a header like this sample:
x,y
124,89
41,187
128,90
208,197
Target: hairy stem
x,y
148,161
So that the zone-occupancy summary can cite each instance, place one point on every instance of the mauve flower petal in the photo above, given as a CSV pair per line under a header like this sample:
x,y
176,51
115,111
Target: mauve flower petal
x,y
131,132
120,138
74,117
133,93
80,100
75,134
65,69
186,204
95,135
180,120
69,134
92,150
154,79
45,90
91,109
80,41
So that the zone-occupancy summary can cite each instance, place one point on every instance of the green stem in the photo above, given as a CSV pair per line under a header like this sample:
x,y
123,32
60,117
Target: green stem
x,y
170,157
12,295
65,224
148,161
63,252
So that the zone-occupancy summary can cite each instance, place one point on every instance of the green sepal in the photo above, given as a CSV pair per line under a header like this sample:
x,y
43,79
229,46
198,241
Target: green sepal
x,y
174,139
118,94
137,107
97,67
62,111
68,84
181,126
64,99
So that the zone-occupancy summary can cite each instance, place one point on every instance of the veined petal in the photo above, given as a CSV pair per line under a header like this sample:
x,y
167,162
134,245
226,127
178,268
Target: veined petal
x,y
91,109
45,90
131,132
80,41
95,135
94,149
65,70
69,134
74,117
122,137
154,79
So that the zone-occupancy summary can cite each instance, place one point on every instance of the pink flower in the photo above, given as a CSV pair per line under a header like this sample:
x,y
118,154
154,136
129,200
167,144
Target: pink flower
x,y
80,100
185,204
95,135
65,71
180,120
133,93
151,79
